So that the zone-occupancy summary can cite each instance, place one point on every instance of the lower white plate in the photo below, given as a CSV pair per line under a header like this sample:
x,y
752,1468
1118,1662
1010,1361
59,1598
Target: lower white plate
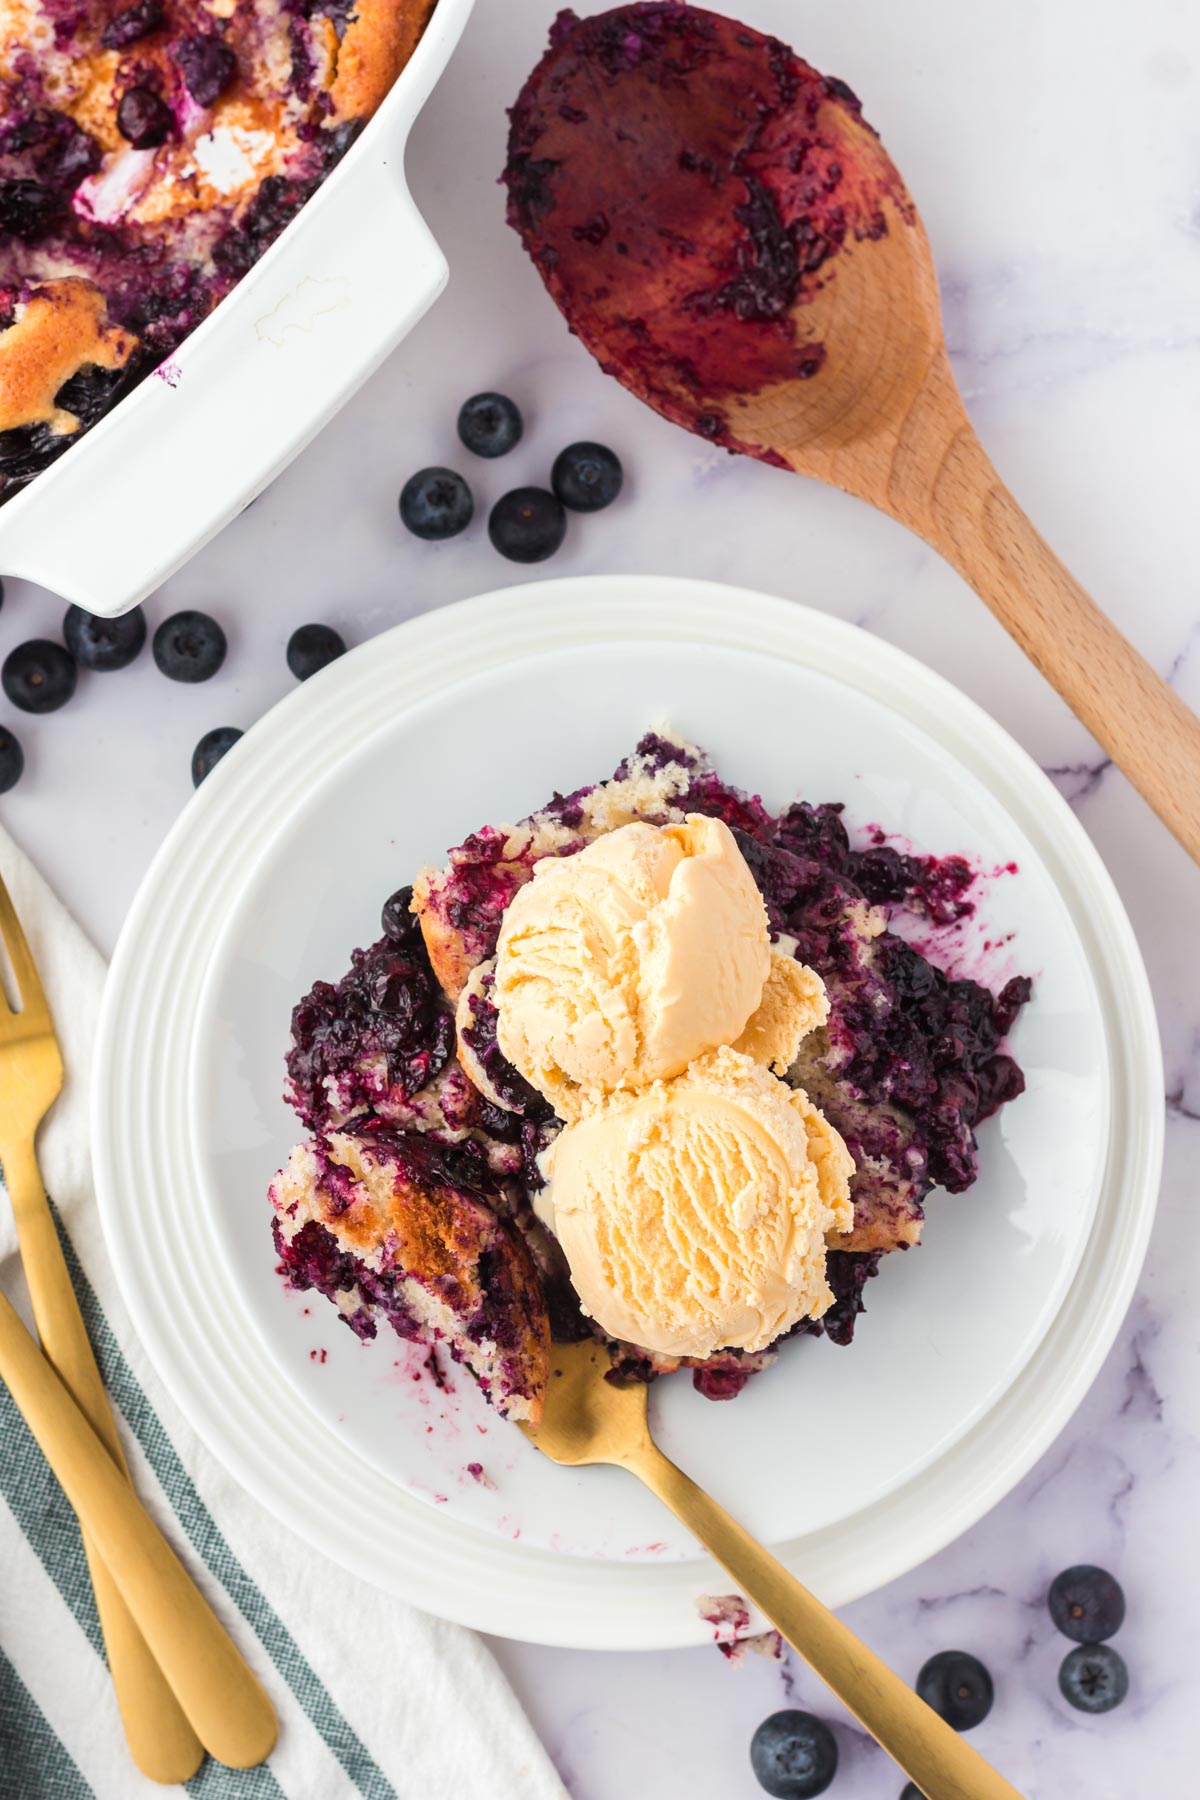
x,y
854,1463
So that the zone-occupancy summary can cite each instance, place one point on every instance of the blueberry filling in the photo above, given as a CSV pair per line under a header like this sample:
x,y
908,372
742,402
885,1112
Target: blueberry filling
x,y
387,1008
27,208
207,65
137,21
144,118
507,1083
51,146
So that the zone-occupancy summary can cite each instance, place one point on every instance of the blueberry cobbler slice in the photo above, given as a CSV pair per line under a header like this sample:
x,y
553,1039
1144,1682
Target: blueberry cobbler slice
x,y
391,1224
416,1111
149,153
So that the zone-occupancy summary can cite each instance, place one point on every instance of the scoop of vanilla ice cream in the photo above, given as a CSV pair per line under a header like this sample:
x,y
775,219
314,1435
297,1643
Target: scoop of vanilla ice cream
x,y
617,966
694,1215
793,1003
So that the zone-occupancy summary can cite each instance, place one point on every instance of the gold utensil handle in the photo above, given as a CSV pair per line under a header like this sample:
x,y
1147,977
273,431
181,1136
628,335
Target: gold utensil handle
x,y
931,1754
216,1688
161,1742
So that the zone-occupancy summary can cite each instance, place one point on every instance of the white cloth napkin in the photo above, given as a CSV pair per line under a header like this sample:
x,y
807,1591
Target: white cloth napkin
x,y
375,1699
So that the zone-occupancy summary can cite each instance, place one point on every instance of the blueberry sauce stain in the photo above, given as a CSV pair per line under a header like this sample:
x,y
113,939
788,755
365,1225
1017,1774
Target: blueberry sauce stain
x,y
685,186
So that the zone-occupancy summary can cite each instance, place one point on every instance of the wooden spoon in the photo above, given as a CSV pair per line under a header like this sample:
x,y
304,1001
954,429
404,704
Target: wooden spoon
x,y
727,235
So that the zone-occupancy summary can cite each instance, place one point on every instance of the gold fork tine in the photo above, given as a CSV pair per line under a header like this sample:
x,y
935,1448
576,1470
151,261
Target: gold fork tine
x,y
34,1010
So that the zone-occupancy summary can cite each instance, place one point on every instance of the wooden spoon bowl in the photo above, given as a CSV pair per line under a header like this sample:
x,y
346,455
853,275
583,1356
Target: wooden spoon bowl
x,y
727,235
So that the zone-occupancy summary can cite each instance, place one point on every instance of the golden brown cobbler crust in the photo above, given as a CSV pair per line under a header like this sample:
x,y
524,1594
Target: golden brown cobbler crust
x,y
63,328
378,43
439,1235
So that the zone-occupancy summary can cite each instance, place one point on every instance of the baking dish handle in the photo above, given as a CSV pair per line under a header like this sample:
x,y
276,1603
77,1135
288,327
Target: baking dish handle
x,y
193,445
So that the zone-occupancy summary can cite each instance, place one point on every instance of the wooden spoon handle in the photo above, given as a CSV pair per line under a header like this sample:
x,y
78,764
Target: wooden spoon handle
x,y
222,1699
942,1765
944,487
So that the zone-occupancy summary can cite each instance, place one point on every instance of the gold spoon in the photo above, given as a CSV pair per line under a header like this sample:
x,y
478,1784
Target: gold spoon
x,y
727,235
589,1420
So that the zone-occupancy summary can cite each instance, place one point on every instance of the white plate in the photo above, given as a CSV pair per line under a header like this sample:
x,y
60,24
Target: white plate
x,y
855,1463
949,1328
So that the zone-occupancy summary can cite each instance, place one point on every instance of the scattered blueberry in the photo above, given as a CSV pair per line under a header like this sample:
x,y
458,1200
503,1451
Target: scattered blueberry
x,y
397,915
490,424
207,65
311,647
436,503
12,760
134,22
39,676
1093,1678
211,749
1086,1603
912,1792
143,118
958,1688
189,646
527,525
794,1755
104,644
587,477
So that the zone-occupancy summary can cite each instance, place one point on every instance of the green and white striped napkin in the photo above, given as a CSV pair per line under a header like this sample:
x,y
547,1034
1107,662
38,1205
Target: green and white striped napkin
x,y
375,1699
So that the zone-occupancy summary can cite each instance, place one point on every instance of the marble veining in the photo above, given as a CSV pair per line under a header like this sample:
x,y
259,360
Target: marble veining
x,y
1055,155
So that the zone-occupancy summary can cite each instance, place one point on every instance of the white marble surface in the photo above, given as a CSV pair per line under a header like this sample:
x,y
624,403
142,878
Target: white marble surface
x,y
1055,153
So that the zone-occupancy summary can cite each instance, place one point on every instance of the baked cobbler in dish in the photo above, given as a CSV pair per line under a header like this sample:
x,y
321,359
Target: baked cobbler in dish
x,y
734,1130
149,154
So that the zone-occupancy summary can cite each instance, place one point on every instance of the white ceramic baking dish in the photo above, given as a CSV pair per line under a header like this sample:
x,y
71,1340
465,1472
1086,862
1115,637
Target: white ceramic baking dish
x,y
189,448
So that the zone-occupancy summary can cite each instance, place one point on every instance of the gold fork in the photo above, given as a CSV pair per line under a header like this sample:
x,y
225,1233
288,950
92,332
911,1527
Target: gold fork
x,y
216,1688
161,1740
589,1420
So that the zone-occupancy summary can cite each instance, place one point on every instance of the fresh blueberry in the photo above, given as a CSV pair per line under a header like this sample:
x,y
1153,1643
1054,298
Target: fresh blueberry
x,y
39,676
397,918
794,1755
104,644
135,22
1093,1678
490,424
436,503
911,1792
958,1688
527,525
143,119
12,760
189,646
207,65
311,647
1086,1603
211,749
587,477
